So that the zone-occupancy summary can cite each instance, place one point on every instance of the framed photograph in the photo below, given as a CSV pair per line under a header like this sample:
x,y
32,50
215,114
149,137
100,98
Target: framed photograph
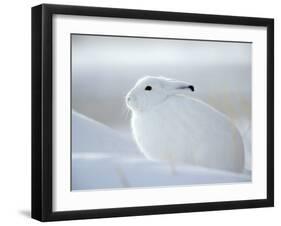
x,y
140,112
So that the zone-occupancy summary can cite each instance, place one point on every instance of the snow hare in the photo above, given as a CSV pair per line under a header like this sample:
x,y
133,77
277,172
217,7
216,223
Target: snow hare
x,y
170,124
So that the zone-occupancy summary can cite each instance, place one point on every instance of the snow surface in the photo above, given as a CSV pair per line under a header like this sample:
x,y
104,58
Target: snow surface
x,y
104,159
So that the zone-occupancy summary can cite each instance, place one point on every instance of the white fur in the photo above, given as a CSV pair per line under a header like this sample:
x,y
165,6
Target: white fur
x,y
170,124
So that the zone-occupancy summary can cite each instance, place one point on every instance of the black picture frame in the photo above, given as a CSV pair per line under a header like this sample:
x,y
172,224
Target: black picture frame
x,y
42,106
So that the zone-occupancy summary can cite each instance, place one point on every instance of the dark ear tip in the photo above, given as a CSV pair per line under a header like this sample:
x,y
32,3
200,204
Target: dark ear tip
x,y
191,88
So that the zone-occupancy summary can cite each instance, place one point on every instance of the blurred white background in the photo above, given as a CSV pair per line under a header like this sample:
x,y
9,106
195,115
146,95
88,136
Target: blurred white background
x,y
15,90
105,68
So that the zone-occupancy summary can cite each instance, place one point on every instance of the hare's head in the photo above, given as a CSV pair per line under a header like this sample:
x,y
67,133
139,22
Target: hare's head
x,y
151,91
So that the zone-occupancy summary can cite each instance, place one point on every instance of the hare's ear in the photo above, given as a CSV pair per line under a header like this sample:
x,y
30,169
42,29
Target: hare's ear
x,y
179,87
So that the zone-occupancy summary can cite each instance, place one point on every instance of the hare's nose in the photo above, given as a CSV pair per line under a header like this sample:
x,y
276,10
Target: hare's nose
x,y
130,98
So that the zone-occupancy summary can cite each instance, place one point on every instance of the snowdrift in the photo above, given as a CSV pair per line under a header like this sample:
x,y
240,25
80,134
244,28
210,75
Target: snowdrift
x,y
104,159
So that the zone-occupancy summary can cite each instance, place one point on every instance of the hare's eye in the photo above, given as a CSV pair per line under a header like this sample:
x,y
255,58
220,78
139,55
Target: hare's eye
x,y
148,88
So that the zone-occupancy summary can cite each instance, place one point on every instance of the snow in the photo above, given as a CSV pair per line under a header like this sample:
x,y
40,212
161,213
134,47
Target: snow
x,y
104,159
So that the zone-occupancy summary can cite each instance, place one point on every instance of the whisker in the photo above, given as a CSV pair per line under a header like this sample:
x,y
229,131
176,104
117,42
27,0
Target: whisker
x,y
125,111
